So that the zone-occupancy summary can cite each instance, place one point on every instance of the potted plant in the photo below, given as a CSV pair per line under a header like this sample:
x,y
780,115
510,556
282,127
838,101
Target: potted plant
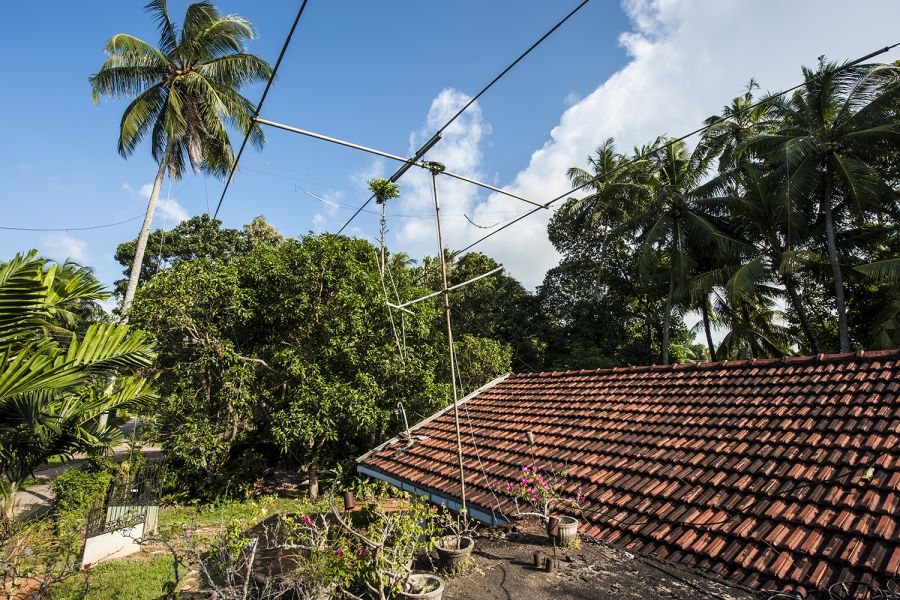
x,y
543,493
423,586
384,551
455,548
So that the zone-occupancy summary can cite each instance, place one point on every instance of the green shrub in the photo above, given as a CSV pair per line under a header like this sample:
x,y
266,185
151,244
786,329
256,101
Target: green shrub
x,y
75,490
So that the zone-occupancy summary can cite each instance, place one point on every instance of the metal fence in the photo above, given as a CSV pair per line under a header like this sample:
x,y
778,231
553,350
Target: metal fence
x,y
128,501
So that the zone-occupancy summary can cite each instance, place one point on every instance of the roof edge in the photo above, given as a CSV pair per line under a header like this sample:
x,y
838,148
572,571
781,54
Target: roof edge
x,y
722,364
468,397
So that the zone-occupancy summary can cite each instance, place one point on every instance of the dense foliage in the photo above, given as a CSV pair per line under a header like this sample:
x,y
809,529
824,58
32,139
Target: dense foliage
x,y
791,204
59,371
287,352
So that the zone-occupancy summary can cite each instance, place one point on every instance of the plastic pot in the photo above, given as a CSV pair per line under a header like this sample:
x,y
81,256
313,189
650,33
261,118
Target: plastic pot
x,y
423,581
453,551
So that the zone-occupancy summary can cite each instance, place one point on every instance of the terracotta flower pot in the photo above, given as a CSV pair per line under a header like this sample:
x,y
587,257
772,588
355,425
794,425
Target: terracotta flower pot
x,y
566,530
453,551
423,586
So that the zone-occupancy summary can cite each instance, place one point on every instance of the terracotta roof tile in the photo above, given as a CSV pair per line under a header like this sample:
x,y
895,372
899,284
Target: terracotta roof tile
x,y
773,472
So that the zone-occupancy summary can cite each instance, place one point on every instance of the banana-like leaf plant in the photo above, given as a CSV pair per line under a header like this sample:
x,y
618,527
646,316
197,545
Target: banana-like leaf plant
x,y
56,375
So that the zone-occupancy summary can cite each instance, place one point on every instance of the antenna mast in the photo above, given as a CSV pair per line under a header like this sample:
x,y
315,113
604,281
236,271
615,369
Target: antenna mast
x,y
437,168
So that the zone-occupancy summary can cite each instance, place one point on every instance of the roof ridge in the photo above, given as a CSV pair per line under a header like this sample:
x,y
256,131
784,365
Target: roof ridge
x,y
863,355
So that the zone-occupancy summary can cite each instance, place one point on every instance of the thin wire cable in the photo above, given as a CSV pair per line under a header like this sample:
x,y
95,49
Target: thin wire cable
x,y
670,142
135,218
511,65
88,228
397,296
162,236
259,105
431,141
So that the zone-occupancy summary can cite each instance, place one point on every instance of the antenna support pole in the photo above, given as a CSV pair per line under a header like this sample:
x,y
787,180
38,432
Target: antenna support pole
x,y
435,169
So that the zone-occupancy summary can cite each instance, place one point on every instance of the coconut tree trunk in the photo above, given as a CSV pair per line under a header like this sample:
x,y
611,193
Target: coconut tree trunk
x,y
667,317
704,309
142,238
599,278
835,265
798,307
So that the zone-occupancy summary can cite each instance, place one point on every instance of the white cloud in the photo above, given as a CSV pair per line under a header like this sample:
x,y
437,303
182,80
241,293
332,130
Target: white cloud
x,y
61,246
687,60
168,211
460,151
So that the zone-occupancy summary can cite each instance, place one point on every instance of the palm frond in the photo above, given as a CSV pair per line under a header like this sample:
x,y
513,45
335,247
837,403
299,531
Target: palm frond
x,y
883,270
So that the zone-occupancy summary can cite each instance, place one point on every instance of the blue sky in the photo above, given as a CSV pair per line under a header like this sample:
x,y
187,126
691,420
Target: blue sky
x,y
384,74
365,71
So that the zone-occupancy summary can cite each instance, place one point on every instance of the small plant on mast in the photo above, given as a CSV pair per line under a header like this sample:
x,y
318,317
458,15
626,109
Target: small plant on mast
x,y
383,190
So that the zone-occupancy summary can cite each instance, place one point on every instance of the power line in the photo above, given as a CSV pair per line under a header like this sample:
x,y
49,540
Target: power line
x,y
437,136
670,142
262,99
511,65
135,218
90,227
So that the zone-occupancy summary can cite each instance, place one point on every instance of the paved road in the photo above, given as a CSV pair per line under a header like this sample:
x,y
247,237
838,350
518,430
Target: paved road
x,y
39,496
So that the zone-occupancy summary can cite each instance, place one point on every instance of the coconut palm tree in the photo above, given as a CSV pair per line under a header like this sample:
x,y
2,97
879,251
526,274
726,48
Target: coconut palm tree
x,y
185,96
763,218
615,190
675,221
834,130
752,323
55,374
728,132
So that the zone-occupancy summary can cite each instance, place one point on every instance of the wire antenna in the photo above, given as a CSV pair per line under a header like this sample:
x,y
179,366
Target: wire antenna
x,y
437,136
237,158
653,151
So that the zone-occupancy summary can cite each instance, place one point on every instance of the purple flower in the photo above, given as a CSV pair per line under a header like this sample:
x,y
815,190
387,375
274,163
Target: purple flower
x,y
339,552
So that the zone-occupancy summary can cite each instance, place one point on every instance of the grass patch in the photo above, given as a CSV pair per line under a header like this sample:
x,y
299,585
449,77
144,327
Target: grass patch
x,y
135,579
211,515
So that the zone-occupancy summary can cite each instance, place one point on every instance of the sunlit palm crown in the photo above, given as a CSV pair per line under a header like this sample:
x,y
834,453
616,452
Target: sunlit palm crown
x,y
186,90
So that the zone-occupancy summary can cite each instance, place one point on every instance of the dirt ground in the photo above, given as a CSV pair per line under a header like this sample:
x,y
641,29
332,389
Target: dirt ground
x,y
503,570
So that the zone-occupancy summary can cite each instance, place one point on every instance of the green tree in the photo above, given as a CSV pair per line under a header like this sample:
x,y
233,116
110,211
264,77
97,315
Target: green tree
x,y
616,190
601,313
675,222
260,232
287,353
198,237
383,190
185,95
834,131
514,317
57,376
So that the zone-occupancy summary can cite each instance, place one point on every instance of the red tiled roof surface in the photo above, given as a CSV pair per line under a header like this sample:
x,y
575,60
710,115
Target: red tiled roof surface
x,y
757,471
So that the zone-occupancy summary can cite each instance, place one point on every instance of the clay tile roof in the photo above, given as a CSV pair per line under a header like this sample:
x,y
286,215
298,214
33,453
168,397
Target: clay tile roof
x,y
781,472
